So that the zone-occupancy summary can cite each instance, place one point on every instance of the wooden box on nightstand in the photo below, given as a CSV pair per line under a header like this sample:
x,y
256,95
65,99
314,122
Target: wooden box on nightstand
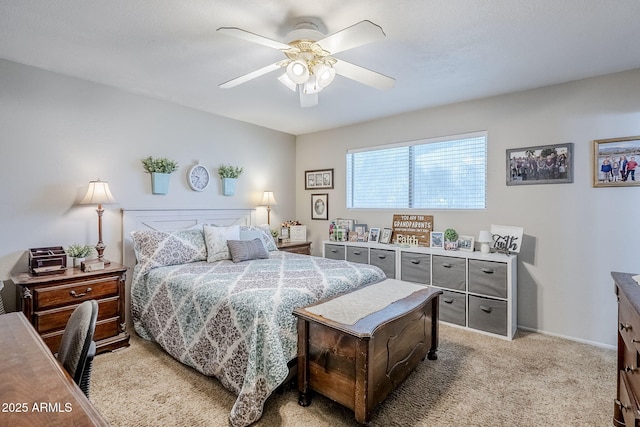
x,y
48,301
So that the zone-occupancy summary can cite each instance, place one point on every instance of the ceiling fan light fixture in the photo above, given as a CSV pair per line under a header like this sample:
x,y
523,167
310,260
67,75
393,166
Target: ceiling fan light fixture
x,y
285,80
311,86
298,71
324,74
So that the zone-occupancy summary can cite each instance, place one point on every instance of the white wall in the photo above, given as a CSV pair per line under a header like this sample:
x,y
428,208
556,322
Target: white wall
x,y
58,133
575,235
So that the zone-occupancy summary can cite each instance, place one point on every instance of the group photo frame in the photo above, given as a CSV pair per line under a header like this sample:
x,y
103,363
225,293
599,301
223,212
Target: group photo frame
x,y
541,164
318,179
615,162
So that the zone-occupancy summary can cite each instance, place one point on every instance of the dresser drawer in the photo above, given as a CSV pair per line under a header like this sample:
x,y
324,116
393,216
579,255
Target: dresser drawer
x,y
334,251
104,329
628,402
75,293
488,315
358,254
453,308
56,319
449,272
415,267
385,260
488,278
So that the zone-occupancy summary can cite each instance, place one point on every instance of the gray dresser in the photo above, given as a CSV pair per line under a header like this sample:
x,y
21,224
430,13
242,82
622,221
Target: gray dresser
x,y
479,290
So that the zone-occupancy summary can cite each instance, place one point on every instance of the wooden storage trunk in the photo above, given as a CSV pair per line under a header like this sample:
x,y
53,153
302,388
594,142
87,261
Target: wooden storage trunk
x,y
358,365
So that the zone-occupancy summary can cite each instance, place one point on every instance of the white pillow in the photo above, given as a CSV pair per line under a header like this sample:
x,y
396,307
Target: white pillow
x,y
216,240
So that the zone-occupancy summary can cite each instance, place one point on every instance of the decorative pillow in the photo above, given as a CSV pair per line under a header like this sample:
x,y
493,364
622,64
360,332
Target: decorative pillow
x,y
265,235
159,248
216,241
245,250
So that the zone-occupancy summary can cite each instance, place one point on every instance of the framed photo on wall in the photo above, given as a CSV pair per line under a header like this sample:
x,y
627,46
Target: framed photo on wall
x,y
542,164
615,162
320,206
321,178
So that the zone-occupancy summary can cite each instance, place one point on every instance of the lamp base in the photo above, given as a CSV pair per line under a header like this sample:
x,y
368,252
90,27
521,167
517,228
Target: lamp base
x,y
484,248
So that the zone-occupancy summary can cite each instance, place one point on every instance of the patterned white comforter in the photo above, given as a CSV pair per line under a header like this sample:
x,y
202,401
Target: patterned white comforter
x,y
235,321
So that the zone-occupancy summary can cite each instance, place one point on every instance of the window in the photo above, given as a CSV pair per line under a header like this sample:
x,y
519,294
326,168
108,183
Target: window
x,y
440,173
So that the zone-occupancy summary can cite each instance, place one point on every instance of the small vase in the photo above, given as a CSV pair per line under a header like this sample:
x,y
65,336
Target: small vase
x,y
451,246
77,262
160,182
228,186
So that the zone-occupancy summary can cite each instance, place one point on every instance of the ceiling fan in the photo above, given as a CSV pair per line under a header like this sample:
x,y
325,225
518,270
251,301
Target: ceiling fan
x,y
310,65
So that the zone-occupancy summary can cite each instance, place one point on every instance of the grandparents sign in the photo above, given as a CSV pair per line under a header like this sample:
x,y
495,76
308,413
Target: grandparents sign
x,y
412,230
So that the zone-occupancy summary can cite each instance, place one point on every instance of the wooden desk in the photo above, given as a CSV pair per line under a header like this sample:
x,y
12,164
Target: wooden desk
x,y
34,388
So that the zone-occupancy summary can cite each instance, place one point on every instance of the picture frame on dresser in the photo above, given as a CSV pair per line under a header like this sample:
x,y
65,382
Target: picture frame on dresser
x,y
385,236
437,239
374,234
465,243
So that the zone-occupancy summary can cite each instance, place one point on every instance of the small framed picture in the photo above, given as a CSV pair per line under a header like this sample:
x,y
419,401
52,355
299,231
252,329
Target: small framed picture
x,y
465,243
361,231
374,234
385,237
437,239
353,236
322,178
284,233
615,162
320,206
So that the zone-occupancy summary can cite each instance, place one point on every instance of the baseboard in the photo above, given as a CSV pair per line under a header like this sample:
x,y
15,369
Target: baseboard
x,y
593,343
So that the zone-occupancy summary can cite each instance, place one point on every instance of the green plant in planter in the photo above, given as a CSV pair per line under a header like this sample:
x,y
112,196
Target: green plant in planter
x,y
451,235
77,250
159,165
228,171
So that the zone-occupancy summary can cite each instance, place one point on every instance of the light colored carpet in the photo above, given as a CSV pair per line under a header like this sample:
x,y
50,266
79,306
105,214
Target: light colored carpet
x,y
478,380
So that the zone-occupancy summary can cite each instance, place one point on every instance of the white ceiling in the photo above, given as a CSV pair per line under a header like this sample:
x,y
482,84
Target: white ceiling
x,y
439,51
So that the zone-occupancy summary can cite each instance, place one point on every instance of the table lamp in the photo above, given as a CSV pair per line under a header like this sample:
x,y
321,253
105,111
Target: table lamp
x,y
268,200
484,238
99,194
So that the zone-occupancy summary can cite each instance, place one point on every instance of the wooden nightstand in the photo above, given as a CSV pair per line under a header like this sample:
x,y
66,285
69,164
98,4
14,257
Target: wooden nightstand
x,y
48,301
303,248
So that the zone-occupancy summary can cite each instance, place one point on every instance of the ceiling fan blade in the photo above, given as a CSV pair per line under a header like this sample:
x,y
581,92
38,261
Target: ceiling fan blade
x,y
356,35
251,75
246,35
363,75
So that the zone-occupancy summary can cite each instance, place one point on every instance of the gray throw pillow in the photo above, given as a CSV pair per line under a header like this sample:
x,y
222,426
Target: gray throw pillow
x,y
245,250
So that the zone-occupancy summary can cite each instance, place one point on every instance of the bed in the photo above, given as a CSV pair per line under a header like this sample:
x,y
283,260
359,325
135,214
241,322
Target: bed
x,y
231,320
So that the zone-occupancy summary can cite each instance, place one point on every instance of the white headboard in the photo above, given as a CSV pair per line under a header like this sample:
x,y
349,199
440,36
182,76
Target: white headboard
x,y
180,219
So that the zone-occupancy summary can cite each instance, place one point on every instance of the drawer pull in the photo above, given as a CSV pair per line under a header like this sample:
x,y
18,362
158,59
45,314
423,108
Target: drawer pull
x,y
448,300
635,341
382,256
415,261
631,368
620,404
487,270
75,295
334,250
357,252
625,327
446,265
486,309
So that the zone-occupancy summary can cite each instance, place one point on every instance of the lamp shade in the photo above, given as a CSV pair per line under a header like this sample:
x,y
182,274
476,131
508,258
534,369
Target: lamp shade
x,y
268,199
485,237
98,193
298,71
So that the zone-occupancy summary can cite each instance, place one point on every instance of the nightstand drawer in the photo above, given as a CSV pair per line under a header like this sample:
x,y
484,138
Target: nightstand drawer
x,y
358,254
453,308
75,293
449,272
415,267
385,260
56,319
488,278
334,251
104,329
488,315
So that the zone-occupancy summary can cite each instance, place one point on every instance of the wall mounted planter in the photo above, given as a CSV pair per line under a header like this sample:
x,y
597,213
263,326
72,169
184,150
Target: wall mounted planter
x,y
160,182
228,186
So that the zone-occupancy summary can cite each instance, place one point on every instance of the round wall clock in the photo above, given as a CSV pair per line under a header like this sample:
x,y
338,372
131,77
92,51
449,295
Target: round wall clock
x,y
198,177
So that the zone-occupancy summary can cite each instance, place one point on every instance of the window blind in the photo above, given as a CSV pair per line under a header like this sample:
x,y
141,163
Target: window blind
x,y
442,173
